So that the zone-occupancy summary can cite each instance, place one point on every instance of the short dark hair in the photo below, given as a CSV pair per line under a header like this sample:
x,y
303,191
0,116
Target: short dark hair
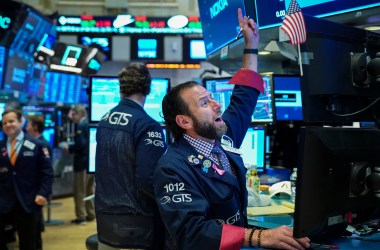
x,y
135,78
17,112
37,121
173,105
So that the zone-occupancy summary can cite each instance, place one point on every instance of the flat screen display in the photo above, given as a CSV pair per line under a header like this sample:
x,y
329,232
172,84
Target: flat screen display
x,y
219,22
253,148
62,87
2,63
31,33
91,149
37,78
271,13
17,71
148,48
222,92
47,112
2,107
103,43
287,98
105,94
153,102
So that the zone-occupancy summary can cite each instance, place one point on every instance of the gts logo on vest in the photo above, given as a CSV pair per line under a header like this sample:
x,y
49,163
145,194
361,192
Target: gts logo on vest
x,y
118,118
4,22
217,7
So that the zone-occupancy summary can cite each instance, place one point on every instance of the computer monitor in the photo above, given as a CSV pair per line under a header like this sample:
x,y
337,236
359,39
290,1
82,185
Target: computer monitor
x,y
287,97
337,180
253,148
48,112
153,103
62,87
222,92
105,94
91,148
16,74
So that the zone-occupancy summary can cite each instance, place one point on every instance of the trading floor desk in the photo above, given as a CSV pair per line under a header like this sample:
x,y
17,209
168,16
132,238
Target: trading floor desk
x,y
339,242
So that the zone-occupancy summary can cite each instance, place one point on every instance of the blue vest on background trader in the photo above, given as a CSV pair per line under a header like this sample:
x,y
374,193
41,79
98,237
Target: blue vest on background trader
x,y
129,144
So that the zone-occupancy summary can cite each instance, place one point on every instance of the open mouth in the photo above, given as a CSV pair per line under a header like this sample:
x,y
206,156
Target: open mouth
x,y
219,119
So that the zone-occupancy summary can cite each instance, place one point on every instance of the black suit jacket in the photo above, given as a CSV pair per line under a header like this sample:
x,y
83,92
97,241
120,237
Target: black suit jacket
x,y
31,175
80,147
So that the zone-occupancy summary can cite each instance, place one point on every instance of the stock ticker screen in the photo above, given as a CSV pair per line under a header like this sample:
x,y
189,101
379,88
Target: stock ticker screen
x,y
62,87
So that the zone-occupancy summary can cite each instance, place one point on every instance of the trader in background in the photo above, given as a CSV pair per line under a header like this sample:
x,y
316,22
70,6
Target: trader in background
x,y
129,144
26,179
83,182
35,126
200,181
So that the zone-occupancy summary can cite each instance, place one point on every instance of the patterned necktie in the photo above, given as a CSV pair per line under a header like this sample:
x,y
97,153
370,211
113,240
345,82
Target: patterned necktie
x,y
222,158
13,155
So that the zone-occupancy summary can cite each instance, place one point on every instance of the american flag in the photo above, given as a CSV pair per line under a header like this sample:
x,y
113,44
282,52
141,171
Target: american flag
x,y
294,24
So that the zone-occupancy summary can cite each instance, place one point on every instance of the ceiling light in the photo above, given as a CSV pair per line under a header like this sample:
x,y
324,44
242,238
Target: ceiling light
x,y
178,21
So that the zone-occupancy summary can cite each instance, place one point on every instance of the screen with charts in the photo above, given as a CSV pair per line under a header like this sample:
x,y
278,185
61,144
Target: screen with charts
x,y
104,95
153,103
253,148
62,87
222,92
18,66
31,32
287,98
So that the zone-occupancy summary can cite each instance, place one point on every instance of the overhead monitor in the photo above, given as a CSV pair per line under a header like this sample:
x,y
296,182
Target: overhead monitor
x,y
62,87
287,97
222,92
103,43
16,76
253,148
147,48
194,49
219,21
338,182
31,32
271,13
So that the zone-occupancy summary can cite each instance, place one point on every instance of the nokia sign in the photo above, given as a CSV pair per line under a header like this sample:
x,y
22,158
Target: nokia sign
x,y
4,22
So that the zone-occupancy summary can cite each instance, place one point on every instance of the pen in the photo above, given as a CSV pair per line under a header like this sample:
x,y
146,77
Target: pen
x,y
317,245
241,29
